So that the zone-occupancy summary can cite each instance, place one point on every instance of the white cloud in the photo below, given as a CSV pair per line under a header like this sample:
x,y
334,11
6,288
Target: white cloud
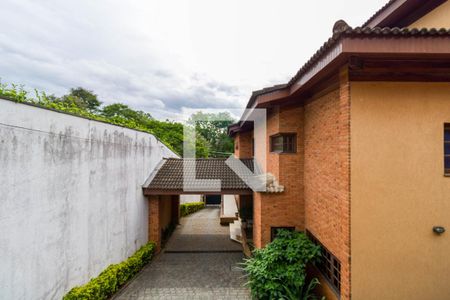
x,y
161,56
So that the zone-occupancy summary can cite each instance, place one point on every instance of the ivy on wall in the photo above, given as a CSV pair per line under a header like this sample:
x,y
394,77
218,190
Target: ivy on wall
x,y
83,103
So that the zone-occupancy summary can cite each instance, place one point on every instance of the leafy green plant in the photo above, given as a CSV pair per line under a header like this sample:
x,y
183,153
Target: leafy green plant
x,y
278,271
305,293
113,277
84,103
189,208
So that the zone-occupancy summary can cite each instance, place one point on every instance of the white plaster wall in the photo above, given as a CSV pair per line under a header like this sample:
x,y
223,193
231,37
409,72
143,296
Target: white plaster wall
x,y
71,201
190,198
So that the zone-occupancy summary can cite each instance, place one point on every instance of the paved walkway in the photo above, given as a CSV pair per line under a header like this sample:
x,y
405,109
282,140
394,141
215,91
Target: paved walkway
x,y
199,262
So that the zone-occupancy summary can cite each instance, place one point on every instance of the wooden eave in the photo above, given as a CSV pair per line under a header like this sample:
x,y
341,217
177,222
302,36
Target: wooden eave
x,y
417,48
150,192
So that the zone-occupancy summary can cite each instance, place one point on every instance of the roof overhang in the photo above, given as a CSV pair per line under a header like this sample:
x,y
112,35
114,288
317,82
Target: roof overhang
x,y
401,13
169,175
150,192
241,126
385,43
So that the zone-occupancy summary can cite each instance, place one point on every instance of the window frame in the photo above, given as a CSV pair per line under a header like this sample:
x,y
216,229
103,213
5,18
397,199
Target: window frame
x,y
446,155
329,267
284,143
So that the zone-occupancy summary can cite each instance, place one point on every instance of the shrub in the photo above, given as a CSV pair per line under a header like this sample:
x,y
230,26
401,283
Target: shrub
x,y
278,271
189,208
113,277
170,133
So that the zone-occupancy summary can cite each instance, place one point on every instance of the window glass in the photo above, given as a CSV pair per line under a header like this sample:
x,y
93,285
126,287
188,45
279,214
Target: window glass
x,y
283,143
447,148
447,164
447,133
329,266
277,143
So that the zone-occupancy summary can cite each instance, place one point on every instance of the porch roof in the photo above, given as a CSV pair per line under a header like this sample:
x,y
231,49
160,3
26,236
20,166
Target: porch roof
x,y
167,178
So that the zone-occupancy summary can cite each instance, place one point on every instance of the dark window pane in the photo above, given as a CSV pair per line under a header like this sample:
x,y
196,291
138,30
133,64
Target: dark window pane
x,y
330,266
283,143
447,162
447,148
289,143
447,134
277,143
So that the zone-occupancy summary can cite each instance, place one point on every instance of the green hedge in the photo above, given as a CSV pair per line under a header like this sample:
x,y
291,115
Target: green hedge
x,y
112,278
189,208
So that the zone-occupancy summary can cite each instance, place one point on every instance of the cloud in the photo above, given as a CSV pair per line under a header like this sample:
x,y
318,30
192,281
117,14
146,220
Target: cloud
x,y
160,59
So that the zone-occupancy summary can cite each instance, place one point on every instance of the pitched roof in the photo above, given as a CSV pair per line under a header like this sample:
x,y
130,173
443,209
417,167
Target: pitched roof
x,y
401,12
342,30
168,176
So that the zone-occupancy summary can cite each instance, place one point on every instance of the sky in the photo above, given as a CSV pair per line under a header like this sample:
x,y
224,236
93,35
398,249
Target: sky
x,y
162,56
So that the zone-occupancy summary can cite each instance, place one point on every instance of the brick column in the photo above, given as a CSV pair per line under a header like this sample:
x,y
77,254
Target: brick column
x,y
154,226
243,144
286,209
344,180
257,221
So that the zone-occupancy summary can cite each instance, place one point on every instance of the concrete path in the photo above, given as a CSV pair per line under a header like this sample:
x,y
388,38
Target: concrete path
x,y
199,262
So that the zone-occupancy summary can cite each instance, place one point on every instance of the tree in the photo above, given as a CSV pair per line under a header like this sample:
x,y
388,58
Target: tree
x,y
124,111
169,132
83,98
213,127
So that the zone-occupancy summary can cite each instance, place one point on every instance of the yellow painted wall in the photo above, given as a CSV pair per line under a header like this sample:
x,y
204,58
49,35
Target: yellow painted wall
x,y
399,192
437,18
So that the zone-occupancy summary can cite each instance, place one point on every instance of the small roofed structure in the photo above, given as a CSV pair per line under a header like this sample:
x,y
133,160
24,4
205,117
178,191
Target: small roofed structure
x,y
167,178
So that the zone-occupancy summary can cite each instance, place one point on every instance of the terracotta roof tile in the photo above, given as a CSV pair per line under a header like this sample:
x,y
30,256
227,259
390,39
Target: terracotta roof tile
x,y
378,12
169,176
340,30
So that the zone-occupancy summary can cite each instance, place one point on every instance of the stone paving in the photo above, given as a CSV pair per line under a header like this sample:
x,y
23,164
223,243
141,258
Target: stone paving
x,y
199,262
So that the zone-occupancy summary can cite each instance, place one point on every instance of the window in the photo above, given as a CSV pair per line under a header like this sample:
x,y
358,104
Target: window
x,y
330,267
283,143
274,231
447,149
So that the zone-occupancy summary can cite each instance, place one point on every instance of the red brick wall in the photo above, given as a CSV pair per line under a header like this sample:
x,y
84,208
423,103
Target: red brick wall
x,y
282,209
243,147
162,210
243,144
154,228
316,178
327,174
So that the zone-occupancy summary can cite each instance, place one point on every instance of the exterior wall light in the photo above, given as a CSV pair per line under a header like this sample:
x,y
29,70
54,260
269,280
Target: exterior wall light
x,y
438,229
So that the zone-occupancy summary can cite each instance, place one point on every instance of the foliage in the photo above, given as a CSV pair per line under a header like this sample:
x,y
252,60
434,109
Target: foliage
x,y
84,98
113,277
84,103
124,111
213,127
278,271
189,208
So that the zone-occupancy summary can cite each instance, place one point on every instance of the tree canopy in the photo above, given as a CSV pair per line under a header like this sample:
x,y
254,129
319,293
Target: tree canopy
x,y
211,129
83,98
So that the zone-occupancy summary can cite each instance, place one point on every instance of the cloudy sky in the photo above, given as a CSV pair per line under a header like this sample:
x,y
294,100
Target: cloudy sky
x,y
164,55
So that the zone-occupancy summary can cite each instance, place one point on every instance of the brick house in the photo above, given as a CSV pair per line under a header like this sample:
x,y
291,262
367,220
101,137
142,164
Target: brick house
x,y
360,140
